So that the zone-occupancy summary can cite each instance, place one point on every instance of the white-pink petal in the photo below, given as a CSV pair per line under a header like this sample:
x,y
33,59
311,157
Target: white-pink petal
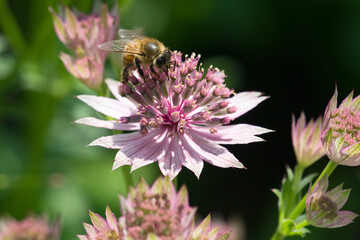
x,y
112,124
99,223
90,230
120,160
133,146
351,155
151,151
232,134
192,159
171,164
112,141
114,88
115,108
120,140
111,219
212,152
331,106
245,101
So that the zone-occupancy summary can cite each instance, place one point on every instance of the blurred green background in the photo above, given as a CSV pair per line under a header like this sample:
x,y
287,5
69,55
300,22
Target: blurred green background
x,y
293,51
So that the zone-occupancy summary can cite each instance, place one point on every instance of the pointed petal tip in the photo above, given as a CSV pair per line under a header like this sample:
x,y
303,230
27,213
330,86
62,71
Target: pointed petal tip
x,y
93,143
118,164
198,175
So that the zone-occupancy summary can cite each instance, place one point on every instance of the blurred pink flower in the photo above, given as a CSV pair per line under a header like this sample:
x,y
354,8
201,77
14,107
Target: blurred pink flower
x,y
341,130
34,228
179,118
322,206
81,35
306,140
157,212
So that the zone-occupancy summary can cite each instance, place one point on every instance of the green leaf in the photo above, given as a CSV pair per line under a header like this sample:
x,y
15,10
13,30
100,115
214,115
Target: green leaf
x,y
305,181
290,173
278,193
287,191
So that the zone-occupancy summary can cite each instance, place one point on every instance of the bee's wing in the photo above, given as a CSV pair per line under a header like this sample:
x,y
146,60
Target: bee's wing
x,y
128,35
112,46
118,46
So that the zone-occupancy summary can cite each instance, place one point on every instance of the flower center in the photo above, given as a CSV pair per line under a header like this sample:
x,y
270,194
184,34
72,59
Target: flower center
x,y
179,96
152,214
345,123
326,206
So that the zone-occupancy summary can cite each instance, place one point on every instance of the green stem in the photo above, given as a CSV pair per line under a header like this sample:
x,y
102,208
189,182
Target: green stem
x,y
299,170
293,199
277,236
127,176
330,167
301,225
125,170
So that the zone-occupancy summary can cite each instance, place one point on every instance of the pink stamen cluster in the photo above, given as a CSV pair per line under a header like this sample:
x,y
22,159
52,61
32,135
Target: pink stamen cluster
x,y
158,210
179,96
153,214
345,123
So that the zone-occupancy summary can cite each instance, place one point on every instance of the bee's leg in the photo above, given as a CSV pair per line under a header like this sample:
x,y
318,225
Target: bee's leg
x,y
138,67
153,70
170,66
125,74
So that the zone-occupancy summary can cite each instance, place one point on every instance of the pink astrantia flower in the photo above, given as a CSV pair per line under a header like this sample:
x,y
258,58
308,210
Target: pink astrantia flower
x,y
322,206
306,140
179,118
34,228
81,35
101,228
341,130
157,212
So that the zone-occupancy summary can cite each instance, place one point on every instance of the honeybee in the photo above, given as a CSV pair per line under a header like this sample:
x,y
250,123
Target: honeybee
x,y
138,50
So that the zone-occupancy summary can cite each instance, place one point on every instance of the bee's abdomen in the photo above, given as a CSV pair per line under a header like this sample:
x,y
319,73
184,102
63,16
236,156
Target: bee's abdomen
x,y
128,59
133,46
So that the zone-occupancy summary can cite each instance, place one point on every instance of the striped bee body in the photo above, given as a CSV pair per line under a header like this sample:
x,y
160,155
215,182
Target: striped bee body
x,y
138,50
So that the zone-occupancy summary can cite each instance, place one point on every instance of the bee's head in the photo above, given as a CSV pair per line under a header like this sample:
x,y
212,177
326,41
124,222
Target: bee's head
x,y
164,59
